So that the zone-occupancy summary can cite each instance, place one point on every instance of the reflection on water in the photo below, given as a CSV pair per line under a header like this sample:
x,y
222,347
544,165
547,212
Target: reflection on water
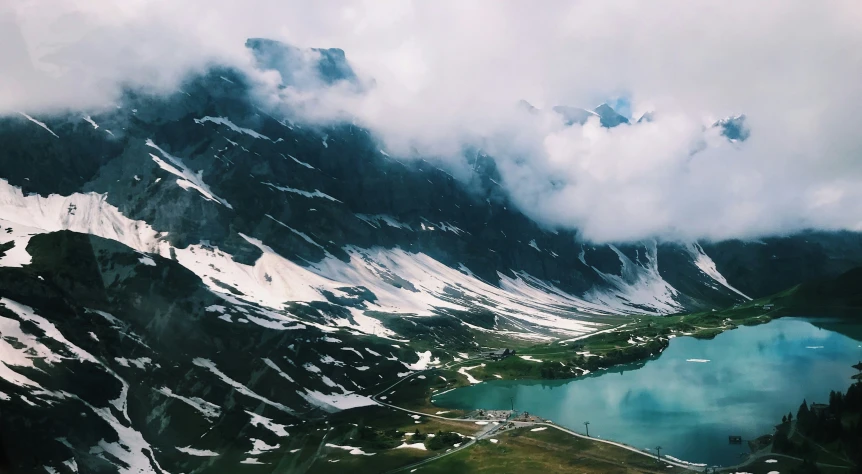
x,y
753,376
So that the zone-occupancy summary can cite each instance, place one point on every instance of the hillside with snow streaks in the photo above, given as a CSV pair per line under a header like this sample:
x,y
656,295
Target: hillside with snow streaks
x,y
23,216
227,123
402,282
134,453
188,179
158,391
274,280
195,281
639,287
707,266
425,285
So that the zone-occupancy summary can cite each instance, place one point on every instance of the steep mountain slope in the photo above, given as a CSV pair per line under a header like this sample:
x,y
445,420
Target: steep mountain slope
x,y
206,166
173,366
773,264
184,274
838,296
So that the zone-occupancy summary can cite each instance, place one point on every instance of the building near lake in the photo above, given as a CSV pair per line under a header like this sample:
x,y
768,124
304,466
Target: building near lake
x,y
498,354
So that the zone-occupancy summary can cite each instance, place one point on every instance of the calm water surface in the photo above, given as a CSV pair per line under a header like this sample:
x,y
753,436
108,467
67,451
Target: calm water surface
x,y
753,376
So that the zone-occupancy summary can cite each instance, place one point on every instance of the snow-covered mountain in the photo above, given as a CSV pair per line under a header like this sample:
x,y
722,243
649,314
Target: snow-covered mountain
x,y
186,273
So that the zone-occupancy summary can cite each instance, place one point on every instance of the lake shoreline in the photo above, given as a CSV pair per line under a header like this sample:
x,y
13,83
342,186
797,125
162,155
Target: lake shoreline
x,y
631,343
666,378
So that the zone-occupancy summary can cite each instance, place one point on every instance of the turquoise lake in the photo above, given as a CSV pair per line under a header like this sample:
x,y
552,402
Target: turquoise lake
x,y
753,376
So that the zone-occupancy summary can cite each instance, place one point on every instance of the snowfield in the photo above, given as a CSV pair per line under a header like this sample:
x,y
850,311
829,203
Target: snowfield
x,y
522,301
470,378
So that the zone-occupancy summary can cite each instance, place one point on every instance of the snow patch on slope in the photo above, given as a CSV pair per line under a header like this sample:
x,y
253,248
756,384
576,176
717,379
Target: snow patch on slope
x,y
377,220
353,450
41,124
424,361
638,288
86,213
26,349
260,447
210,366
188,179
136,456
264,422
197,452
315,194
302,235
227,123
707,266
92,122
18,235
277,369
209,410
336,401
301,163
464,371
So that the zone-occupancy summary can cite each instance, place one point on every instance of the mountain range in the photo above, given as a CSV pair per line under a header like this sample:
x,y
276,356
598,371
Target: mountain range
x,y
188,278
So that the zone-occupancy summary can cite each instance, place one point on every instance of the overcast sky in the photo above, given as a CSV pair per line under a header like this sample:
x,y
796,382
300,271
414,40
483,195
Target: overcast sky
x,y
449,74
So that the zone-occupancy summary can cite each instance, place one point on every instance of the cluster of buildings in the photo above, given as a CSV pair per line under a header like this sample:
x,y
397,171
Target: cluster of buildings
x,y
497,354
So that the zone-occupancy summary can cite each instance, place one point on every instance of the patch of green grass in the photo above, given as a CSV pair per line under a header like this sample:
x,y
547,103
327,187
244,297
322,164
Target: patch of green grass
x,y
415,393
339,461
828,453
783,465
548,451
374,429
639,339
385,418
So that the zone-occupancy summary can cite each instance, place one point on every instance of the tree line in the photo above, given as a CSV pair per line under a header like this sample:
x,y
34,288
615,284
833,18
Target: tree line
x,y
837,423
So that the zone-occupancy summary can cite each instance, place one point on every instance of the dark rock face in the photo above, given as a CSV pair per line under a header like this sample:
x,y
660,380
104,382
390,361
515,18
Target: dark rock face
x,y
609,117
734,128
775,264
325,65
149,377
574,115
646,117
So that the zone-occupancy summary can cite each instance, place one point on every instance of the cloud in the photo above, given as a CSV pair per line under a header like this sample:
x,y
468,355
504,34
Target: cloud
x,y
449,75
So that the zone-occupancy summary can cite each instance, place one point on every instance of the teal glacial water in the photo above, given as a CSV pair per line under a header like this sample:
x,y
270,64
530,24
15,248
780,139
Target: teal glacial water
x,y
696,394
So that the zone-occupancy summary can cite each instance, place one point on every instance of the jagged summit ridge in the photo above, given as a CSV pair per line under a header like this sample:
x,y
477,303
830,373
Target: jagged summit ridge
x,y
298,66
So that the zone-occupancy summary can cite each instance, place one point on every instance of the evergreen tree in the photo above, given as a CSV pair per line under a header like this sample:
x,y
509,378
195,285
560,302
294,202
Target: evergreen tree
x,y
836,403
853,399
803,416
780,443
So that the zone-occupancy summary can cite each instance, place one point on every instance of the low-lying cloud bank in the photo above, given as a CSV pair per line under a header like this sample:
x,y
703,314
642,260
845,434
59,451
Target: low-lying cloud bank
x,y
447,76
